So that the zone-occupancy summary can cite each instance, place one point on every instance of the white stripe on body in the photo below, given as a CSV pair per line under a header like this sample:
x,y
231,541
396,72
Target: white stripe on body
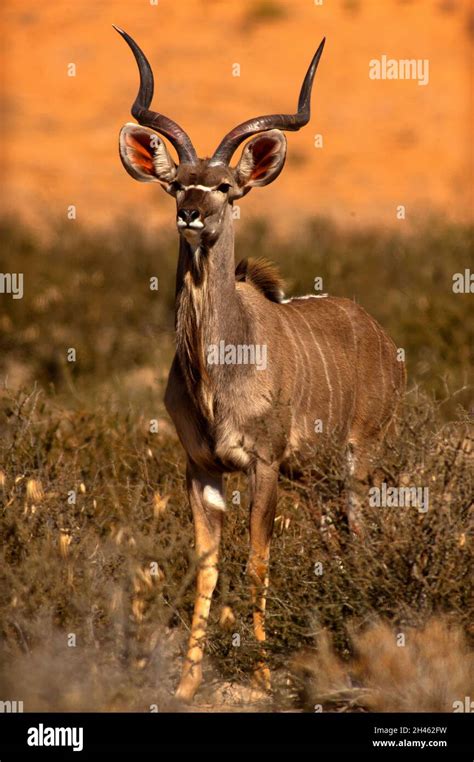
x,y
328,381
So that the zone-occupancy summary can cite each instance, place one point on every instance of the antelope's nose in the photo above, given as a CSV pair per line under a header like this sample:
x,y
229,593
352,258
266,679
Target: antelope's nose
x,y
188,215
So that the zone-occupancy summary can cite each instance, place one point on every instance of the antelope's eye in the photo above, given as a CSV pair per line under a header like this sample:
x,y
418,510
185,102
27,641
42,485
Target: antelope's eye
x,y
176,186
223,187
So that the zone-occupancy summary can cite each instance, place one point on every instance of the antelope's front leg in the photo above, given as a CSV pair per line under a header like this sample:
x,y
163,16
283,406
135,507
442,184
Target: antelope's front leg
x,y
263,492
208,505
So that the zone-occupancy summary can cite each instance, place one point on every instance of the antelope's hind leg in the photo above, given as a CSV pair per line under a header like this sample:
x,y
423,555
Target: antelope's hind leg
x,y
208,505
362,457
263,499
357,463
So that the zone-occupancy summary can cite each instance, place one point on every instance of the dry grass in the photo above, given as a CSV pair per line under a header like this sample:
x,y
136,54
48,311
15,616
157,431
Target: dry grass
x,y
415,670
115,568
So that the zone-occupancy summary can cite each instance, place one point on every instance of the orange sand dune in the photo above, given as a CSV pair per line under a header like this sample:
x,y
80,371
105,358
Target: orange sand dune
x,y
385,142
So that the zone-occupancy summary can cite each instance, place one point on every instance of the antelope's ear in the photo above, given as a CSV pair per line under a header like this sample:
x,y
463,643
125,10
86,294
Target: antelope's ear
x,y
145,156
262,160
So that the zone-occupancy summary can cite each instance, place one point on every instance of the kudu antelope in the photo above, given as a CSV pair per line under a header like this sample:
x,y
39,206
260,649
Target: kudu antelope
x,y
326,358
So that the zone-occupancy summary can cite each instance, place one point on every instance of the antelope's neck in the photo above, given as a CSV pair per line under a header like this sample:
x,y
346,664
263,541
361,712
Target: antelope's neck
x,y
208,310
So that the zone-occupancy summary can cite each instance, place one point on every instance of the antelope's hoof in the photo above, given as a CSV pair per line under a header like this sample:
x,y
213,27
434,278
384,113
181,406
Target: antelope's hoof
x,y
187,687
262,678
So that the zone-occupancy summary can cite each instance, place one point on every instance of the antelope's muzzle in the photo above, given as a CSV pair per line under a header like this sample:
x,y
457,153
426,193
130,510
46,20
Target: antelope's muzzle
x,y
189,219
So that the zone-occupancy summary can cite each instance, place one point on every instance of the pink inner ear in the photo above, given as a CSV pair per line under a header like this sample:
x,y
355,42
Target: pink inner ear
x,y
263,152
139,153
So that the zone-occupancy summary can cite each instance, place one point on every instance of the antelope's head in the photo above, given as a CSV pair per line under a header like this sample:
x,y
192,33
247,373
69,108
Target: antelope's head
x,y
203,188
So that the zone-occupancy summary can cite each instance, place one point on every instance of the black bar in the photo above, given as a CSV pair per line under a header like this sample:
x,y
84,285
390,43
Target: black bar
x,y
326,732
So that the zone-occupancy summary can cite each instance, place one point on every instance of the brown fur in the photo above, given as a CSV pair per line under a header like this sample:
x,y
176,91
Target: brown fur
x,y
262,274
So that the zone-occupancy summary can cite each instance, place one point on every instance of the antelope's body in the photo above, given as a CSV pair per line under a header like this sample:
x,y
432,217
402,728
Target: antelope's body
x,y
256,379
327,360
